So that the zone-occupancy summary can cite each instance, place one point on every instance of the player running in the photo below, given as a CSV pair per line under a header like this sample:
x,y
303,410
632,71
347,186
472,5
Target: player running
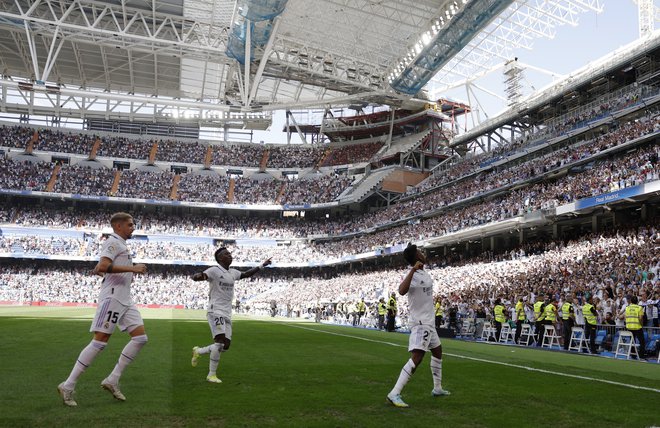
x,y
115,308
418,284
221,294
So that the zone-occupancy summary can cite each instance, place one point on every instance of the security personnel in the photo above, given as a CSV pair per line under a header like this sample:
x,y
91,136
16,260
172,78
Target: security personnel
x,y
590,321
549,315
568,320
500,317
634,316
538,320
438,314
361,310
520,318
391,312
382,311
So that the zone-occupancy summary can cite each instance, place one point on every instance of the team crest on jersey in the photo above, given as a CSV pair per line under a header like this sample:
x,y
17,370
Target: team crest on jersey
x,y
111,248
106,325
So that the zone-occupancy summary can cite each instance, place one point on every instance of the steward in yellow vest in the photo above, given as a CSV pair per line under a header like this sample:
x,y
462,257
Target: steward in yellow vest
x,y
539,305
590,321
568,320
634,316
382,311
391,312
438,314
520,318
500,317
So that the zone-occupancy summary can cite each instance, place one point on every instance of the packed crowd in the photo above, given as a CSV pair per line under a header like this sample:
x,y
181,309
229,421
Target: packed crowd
x,y
145,184
608,266
238,154
203,188
314,190
66,142
180,151
84,180
294,156
606,175
226,226
24,175
352,153
463,167
15,136
249,191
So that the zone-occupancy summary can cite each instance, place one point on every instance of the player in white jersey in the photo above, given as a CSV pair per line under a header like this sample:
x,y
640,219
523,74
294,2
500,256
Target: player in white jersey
x,y
418,284
115,308
221,280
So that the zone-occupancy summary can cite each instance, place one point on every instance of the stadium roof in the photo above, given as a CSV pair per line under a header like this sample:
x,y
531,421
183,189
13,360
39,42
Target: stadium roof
x,y
166,54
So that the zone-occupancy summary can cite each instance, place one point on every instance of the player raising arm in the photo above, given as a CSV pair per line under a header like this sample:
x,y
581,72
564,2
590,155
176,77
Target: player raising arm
x,y
418,285
221,280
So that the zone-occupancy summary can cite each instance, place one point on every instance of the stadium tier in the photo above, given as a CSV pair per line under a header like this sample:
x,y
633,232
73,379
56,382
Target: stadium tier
x,y
272,212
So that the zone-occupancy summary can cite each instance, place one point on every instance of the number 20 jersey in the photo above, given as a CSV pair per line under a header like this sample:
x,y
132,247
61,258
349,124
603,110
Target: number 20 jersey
x,y
221,289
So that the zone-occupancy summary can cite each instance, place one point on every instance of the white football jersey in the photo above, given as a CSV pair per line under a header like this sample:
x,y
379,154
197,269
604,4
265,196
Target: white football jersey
x,y
221,290
117,285
420,299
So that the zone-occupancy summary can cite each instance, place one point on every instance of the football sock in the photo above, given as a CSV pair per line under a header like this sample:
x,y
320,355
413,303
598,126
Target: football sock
x,y
205,349
214,358
406,372
436,371
85,358
127,356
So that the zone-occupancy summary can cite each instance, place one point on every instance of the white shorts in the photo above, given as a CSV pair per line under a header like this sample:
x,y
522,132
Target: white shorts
x,y
219,325
110,314
423,337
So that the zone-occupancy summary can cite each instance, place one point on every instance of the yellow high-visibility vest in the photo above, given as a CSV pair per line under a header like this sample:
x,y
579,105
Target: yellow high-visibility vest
x,y
499,313
565,311
632,317
537,311
438,309
549,313
520,310
589,317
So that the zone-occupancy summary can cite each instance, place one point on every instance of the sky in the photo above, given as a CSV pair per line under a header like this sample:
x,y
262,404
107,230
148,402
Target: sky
x,y
572,48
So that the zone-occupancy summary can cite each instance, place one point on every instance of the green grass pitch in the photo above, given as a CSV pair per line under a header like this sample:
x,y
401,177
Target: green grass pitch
x,y
295,375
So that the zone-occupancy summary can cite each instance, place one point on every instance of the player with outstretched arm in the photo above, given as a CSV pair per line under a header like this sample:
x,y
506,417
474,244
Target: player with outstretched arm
x,y
418,285
221,280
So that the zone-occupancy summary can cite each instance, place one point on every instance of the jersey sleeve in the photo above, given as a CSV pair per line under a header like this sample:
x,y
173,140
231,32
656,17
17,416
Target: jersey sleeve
x,y
211,273
235,273
110,249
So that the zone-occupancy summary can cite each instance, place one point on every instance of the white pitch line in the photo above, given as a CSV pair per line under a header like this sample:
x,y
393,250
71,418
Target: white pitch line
x,y
490,361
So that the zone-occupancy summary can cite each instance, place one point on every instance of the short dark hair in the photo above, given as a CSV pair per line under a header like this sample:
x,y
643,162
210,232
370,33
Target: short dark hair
x,y
120,217
218,252
410,254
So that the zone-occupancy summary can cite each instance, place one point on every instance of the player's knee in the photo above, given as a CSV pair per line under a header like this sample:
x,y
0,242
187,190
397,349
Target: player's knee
x,y
141,339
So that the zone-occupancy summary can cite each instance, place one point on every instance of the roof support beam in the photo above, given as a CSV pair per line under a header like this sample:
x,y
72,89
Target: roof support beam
x,y
33,50
53,52
262,63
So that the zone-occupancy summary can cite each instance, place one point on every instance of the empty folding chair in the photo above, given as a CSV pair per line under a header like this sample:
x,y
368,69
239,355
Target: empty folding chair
x,y
550,339
526,335
577,341
505,333
626,346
